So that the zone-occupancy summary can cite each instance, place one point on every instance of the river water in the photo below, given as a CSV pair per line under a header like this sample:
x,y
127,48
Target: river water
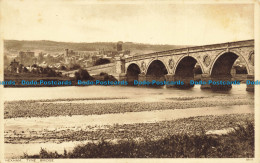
x,y
110,94
152,94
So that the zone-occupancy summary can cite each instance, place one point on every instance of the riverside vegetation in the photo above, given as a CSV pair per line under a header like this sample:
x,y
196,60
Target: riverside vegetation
x,y
238,143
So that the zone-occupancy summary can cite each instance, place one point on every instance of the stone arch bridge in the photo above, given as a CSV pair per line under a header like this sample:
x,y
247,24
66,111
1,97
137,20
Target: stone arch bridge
x,y
215,61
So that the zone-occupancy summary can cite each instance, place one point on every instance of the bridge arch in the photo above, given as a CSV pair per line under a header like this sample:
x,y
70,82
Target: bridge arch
x,y
223,62
156,70
185,65
157,60
132,72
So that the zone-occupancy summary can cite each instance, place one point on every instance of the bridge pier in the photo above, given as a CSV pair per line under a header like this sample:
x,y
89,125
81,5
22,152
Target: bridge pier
x,y
150,78
221,87
122,76
141,77
186,82
169,77
250,87
205,77
120,65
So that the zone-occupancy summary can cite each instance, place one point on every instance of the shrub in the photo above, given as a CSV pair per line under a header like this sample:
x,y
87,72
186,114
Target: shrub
x,y
101,61
238,143
83,75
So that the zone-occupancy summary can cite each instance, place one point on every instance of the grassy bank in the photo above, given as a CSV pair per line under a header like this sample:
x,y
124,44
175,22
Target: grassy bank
x,y
236,144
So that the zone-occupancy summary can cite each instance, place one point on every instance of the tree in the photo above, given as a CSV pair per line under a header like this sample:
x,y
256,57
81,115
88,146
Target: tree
x,y
63,67
35,65
20,68
106,77
51,73
101,61
25,69
82,75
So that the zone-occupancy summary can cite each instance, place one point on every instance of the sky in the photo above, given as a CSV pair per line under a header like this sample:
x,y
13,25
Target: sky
x,y
154,23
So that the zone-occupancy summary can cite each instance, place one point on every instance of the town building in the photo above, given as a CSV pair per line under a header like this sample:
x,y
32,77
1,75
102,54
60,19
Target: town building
x,y
27,58
14,66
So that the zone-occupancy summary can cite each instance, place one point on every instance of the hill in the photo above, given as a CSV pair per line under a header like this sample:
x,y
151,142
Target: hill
x,y
14,46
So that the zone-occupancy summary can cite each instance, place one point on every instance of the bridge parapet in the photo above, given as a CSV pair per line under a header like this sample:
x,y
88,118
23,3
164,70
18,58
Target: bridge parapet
x,y
193,49
242,43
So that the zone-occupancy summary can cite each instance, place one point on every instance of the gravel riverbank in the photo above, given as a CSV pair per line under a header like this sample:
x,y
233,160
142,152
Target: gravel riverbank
x,y
46,108
191,125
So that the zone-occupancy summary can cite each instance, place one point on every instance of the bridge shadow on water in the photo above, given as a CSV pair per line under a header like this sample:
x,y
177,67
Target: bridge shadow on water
x,y
222,88
215,89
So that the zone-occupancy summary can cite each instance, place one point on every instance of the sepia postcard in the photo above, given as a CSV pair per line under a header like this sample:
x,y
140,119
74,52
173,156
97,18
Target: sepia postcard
x,y
129,81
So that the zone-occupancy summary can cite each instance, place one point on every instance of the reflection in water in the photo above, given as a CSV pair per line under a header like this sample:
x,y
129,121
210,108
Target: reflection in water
x,y
115,91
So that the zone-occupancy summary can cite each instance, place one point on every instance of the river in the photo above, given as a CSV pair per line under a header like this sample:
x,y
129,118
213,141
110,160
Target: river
x,y
11,94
